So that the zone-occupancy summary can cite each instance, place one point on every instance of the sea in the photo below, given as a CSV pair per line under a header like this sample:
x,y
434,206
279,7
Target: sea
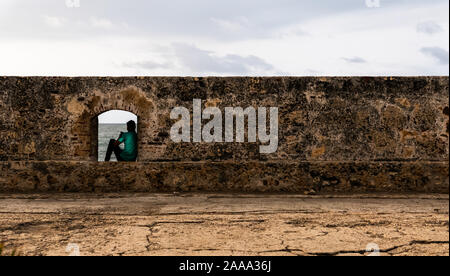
x,y
107,132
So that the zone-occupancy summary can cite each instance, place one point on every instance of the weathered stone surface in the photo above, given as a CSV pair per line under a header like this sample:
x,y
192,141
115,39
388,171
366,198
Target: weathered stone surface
x,y
271,176
336,134
224,224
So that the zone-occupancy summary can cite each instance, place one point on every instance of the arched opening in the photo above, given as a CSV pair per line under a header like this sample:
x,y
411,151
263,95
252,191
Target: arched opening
x,y
109,126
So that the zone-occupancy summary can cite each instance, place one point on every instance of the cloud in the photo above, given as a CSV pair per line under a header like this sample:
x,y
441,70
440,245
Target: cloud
x,y
234,37
312,72
231,26
429,27
439,54
231,20
149,65
204,62
116,117
54,22
188,59
101,23
355,60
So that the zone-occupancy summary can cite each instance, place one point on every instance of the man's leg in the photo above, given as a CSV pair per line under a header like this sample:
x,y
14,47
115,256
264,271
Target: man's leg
x,y
117,151
113,148
110,150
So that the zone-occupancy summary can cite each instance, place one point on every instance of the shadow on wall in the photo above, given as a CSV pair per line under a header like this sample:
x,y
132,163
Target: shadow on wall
x,y
110,124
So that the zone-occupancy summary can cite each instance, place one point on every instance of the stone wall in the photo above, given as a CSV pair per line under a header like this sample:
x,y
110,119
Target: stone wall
x,y
336,134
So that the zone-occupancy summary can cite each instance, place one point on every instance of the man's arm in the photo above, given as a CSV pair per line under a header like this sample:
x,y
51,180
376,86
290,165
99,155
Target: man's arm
x,y
117,141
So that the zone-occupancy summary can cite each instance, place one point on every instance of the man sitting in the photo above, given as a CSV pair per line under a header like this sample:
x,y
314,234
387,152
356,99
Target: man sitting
x,y
129,153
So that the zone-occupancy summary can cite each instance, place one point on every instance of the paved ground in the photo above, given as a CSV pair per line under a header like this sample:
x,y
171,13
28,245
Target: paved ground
x,y
224,224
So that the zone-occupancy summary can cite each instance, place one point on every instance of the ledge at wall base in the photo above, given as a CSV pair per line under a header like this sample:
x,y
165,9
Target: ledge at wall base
x,y
268,177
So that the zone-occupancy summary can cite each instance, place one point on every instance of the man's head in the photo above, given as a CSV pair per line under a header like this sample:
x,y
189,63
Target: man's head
x,y
131,126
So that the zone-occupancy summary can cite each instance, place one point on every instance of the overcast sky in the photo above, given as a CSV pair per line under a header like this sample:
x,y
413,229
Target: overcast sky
x,y
116,117
224,37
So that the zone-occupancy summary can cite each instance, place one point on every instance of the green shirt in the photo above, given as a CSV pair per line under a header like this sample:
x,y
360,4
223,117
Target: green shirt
x,y
130,151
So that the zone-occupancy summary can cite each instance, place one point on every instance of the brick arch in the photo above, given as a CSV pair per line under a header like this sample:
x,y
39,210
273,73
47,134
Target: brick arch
x,y
94,133
85,128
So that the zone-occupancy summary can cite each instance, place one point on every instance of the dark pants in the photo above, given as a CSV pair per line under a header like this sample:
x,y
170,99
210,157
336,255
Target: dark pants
x,y
113,148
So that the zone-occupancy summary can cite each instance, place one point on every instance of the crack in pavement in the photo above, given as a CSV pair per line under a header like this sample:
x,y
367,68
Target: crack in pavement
x,y
362,252
249,220
253,212
286,249
335,253
149,242
154,224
